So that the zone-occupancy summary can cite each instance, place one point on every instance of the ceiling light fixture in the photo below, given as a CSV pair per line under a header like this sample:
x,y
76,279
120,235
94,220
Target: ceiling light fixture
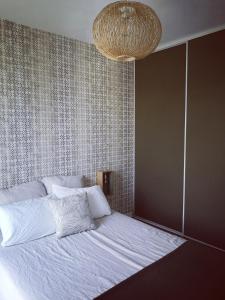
x,y
126,31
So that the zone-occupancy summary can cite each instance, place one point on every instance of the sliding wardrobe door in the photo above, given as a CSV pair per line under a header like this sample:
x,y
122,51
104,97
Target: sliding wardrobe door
x,y
160,99
205,185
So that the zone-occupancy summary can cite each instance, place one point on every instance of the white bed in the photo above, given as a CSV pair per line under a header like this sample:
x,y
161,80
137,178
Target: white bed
x,y
82,266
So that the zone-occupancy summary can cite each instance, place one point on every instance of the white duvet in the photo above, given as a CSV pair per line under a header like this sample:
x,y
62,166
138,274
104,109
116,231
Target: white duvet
x,y
82,266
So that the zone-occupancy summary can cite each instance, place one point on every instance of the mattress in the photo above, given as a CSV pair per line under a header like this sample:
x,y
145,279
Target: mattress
x,y
82,266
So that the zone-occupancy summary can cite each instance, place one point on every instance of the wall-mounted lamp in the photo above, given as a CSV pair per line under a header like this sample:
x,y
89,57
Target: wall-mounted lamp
x,y
103,179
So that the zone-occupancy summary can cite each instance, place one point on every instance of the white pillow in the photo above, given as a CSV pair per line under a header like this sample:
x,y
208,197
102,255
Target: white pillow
x,y
25,221
67,181
24,191
98,203
72,214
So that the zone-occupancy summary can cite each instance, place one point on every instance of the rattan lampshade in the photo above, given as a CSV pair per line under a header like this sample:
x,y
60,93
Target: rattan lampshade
x,y
126,30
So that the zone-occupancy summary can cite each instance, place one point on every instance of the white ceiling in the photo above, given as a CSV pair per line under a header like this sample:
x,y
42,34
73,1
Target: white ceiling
x,y
74,18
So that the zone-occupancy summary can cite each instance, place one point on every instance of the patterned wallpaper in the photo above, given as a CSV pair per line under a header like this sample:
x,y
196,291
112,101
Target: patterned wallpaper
x,y
64,109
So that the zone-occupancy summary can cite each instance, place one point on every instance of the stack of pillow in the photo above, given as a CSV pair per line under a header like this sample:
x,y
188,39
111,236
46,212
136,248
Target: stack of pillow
x,y
57,204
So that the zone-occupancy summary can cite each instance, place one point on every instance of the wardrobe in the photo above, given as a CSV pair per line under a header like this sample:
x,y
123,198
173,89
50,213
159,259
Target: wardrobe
x,y
180,138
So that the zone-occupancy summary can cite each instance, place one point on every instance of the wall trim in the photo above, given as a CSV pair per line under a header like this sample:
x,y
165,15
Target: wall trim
x,y
158,225
165,228
189,37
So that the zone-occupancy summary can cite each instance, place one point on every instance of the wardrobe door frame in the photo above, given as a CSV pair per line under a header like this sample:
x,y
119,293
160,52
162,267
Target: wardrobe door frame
x,y
160,121
205,167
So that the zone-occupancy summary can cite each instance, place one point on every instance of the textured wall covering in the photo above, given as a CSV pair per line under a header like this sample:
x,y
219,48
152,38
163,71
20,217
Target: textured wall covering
x,y
64,109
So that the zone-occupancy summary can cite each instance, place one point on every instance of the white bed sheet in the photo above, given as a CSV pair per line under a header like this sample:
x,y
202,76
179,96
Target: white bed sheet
x,y
84,265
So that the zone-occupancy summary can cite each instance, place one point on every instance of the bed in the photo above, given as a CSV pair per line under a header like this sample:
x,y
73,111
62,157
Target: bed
x,y
83,266
191,272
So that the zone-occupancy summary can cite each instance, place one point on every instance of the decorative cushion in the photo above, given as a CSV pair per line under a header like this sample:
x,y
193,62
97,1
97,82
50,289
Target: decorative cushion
x,y
25,191
98,203
72,214
25,221
67,181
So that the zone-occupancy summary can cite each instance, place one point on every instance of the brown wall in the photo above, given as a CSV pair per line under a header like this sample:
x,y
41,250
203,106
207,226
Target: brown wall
x,y
205,184
160,86
160,90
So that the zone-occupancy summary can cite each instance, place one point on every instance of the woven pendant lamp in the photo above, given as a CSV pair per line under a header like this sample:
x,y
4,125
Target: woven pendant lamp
x,y
126,31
